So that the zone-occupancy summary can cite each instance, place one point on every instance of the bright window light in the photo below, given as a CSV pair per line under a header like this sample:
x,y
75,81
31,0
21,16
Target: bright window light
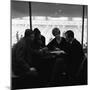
x,y
63,18
39,18
26,18
58,18
76,19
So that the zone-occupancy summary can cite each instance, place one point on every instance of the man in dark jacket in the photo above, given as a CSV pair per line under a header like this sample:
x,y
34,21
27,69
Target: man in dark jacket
x,y
76,54
22,54
58,44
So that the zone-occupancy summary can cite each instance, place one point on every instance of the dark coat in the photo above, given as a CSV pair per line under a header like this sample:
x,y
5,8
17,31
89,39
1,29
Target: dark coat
x,y
59,65
62,45
21,57
76,56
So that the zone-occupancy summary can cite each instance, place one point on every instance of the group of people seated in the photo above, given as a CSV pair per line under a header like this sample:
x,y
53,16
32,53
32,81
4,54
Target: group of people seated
x,y
32,58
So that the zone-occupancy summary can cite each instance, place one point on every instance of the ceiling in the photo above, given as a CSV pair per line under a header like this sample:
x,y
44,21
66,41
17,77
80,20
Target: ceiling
x,y
21,9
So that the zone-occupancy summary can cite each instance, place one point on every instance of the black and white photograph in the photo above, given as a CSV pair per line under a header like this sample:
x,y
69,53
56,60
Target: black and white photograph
x,y
49,44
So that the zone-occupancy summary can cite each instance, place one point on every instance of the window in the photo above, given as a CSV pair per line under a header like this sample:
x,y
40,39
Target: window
x,y
46,16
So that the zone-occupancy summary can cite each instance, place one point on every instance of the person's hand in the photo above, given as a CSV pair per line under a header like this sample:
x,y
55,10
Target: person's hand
x,y
40,50
45,48
33,71
60,52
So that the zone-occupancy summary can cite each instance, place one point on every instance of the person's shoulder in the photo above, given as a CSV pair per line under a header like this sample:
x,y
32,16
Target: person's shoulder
x,y
21,42
42,37
76,42
52,41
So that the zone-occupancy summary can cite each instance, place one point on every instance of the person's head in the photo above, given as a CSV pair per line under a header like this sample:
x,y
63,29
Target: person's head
x,y
56,32
69,35
37,33
29,34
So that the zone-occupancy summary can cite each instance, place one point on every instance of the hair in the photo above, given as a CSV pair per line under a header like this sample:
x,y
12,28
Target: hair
x,y
28,32
36,31
55,30
70,34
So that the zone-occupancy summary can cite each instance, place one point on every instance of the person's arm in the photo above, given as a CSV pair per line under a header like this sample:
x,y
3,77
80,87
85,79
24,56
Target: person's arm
x,y
20,56
81,52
